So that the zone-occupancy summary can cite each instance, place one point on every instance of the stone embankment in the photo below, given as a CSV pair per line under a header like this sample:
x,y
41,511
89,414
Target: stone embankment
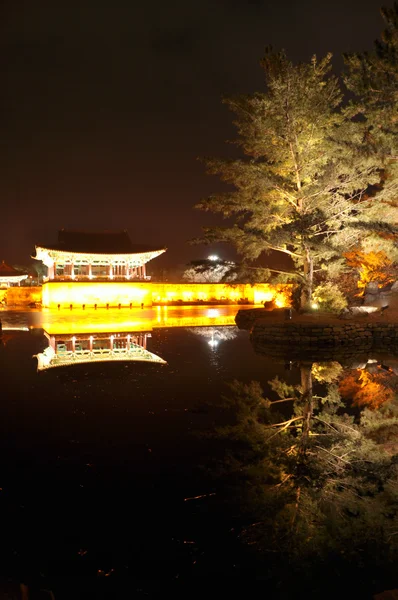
x,y
323,334
246,318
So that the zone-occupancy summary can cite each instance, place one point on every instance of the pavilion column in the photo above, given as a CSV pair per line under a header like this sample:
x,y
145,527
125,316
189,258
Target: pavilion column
x,y
143,271
90,273
50,272
110,272
54,270
72,270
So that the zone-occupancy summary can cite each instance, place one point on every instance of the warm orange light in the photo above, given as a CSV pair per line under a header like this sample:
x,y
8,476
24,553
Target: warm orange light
x,y
371,266
116,321
279,294
367,389
113,293
90,294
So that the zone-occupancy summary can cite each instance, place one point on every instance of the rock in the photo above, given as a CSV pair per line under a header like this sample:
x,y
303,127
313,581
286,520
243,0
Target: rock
x,y
270,305
372,288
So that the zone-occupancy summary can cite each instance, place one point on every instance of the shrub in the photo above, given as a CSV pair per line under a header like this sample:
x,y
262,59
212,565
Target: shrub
x,y
329,298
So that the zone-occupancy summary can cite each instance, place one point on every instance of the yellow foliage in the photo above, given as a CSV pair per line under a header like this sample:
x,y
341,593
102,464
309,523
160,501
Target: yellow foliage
x,y
371,266
365,389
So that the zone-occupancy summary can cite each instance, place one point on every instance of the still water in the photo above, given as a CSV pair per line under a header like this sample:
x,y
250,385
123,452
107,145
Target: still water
x,y
111,476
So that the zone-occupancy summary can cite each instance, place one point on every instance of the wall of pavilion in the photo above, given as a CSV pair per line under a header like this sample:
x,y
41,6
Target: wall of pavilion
x,y
109,294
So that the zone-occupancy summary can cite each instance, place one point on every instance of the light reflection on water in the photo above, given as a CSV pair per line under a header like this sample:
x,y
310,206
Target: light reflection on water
x,y
107,439
80,321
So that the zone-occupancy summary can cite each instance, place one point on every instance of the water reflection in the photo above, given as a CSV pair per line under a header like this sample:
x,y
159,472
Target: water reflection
x,y
81,336
314,469
308,462
64,349
8,333
135,319
99,336
215,335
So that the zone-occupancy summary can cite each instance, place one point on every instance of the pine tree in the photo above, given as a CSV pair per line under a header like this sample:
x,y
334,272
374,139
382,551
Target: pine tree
x,y
373,78
302,187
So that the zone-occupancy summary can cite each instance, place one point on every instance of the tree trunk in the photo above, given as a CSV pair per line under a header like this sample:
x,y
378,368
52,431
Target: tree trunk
x,y
306,291
306,384
308,408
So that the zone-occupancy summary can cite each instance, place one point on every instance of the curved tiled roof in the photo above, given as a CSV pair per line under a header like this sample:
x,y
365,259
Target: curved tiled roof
x,y
97,242
8,271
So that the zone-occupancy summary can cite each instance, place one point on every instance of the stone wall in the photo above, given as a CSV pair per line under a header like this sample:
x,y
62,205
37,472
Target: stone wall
x,y
148,293
23,296
77,293
354,336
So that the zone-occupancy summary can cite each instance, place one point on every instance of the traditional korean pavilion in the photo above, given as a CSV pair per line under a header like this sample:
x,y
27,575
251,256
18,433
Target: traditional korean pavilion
x,y
10,276
92,255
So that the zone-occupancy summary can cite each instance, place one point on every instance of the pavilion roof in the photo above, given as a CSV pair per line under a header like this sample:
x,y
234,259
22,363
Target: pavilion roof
x,y
97,242
8,271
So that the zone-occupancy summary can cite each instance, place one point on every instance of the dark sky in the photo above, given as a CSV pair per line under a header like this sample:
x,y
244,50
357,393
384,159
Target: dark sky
x,y
106,105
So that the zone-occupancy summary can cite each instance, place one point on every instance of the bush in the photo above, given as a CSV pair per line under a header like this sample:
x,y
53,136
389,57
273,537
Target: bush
x,y
329,298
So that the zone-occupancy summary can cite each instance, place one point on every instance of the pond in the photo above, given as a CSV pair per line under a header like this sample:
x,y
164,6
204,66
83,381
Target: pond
x,y
112,477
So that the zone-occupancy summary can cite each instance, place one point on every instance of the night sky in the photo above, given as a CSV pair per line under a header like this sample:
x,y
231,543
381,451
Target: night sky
x,y
106,105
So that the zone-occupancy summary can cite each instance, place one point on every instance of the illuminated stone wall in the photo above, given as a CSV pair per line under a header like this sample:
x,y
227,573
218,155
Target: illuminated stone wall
x,y
21,296
149,293
208,292
107,292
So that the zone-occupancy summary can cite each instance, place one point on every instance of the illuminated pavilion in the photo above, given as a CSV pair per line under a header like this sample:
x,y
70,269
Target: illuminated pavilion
x,y
90,270
99,256
10,276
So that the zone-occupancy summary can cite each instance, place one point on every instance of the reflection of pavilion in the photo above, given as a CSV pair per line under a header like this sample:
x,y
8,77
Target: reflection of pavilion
x,y
64,349
79,321
9,333
84,337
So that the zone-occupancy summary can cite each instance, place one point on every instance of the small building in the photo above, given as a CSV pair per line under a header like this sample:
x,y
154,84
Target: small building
x,y
93,255
9,276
